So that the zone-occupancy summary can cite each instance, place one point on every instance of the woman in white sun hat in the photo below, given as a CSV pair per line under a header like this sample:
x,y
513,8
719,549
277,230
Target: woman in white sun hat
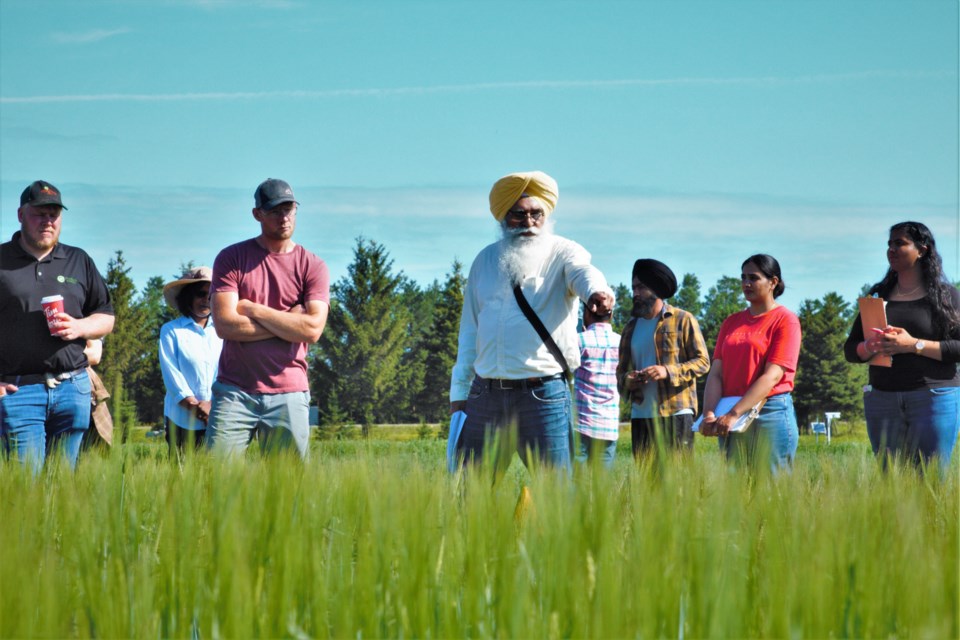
x,y
189,354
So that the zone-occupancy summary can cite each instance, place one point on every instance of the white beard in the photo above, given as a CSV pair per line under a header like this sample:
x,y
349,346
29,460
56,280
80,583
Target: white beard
x,y
522,256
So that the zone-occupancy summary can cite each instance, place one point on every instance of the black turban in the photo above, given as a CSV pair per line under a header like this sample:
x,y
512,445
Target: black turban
x,y
656,276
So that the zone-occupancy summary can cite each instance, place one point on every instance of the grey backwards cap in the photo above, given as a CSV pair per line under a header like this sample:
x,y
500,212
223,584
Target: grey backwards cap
x,y
272,192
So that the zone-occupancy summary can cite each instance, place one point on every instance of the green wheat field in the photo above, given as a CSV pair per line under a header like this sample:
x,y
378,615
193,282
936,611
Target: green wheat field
x,y
374,539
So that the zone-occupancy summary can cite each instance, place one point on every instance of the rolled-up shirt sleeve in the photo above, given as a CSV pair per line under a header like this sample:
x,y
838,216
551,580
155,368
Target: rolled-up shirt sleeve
x,y
583,279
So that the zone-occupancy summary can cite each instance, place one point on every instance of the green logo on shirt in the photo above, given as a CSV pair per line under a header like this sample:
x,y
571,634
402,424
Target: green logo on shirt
x,y
62,279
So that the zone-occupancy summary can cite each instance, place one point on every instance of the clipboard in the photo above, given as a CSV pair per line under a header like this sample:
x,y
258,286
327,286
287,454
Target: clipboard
x,y
873,315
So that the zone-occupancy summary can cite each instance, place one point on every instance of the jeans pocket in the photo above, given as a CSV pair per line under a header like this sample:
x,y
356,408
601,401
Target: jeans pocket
x,y
82,383
477,389
550,393
944,391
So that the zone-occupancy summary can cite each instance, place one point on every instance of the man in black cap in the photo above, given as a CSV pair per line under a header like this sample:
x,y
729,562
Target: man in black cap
x,y
661,354
44,386
270,298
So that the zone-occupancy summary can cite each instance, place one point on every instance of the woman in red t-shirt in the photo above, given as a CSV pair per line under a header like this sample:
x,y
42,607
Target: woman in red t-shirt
x,y
756,360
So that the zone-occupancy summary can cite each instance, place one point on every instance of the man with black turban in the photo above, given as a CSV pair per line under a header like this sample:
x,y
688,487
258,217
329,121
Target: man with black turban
x,y
505,375
661,354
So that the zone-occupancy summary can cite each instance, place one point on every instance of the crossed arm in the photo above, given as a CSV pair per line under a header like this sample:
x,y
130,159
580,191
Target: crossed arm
x,y
246,321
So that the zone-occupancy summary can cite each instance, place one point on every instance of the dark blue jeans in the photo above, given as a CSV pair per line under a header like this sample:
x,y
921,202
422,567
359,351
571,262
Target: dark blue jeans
x,y
35,420
541,416
915,425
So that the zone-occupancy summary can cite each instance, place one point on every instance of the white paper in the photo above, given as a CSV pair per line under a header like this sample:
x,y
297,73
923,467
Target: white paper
x,y
723,407
456,426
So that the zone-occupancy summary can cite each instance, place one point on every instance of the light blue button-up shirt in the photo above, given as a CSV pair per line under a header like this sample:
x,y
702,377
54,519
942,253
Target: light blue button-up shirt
x,y
189,355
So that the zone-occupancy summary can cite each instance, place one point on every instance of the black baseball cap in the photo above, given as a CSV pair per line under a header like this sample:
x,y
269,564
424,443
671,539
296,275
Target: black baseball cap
x,y
40,193
272,192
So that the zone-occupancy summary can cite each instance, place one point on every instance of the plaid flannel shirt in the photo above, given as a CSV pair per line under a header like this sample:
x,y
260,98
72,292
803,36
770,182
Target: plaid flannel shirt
x,y
595,383
680,349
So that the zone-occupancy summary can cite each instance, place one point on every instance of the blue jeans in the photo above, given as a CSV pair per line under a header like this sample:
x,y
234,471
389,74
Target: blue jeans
x,y
916,425
592,447
277,420
772,435
36,420
541,415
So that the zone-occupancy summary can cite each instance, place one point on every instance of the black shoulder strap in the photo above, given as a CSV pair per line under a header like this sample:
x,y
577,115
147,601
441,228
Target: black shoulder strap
x,y
541,330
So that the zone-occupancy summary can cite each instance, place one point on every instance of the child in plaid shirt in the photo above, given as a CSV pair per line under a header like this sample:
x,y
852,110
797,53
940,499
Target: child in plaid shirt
x,y
595,389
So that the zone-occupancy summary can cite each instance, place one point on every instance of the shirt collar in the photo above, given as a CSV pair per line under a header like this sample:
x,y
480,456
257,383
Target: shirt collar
x,y
187,321
58,251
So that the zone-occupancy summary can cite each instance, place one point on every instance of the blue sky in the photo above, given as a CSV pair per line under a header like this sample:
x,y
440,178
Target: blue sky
x,y
694,132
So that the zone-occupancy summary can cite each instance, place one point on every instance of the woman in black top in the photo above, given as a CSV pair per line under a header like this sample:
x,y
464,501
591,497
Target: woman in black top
x,y
913,407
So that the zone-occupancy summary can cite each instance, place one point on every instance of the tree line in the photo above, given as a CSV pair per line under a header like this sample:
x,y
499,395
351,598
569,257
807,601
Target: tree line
x,y
390,343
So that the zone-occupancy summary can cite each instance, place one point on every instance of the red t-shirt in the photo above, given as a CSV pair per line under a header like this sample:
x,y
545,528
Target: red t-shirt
x,y
279,281
747,343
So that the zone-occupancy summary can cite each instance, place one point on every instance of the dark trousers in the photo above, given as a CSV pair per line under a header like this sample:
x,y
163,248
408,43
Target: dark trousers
x,y
672,432
540,415
178,438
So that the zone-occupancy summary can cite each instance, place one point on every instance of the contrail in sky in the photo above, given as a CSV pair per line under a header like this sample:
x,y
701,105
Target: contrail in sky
x,y
475,87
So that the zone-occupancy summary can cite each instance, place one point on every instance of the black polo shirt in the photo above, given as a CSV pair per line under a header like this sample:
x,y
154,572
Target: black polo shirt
x,y
26,345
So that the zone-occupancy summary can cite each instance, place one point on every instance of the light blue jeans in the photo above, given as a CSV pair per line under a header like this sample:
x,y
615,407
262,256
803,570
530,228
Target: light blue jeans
x,y
772,435
36,420
541,415
277,420
916,425
590,448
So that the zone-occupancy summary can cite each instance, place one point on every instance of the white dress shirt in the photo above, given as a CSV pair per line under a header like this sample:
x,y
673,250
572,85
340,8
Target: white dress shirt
x,y
496,339
189,355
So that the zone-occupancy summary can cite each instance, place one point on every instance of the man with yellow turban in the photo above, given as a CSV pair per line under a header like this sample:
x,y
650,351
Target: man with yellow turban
x,y
505,373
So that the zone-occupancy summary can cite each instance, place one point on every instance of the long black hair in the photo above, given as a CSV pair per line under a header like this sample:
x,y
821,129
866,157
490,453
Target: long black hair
x,y
939,290
186,295
769,267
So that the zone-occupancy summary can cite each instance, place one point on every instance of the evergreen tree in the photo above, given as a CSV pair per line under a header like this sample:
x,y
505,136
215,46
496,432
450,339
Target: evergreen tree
x,y
149,390
403,397
688,295
358,358
122,350
622,307
722,299
440,347
825,380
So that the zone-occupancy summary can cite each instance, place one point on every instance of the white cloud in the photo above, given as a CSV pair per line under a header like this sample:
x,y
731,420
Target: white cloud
x,y
87,37
214,5
305,94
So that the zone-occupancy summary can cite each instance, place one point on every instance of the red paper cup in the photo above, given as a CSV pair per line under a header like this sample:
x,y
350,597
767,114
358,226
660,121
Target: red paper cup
x,y
52,305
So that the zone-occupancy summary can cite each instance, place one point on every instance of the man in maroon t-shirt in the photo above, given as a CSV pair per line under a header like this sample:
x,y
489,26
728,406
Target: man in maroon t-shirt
x,y
270,300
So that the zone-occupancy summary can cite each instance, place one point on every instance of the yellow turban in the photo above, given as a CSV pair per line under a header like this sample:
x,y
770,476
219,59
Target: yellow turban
x,y
508,189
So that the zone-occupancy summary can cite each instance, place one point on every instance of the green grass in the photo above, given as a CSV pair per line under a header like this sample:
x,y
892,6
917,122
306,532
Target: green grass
x,y
372,538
